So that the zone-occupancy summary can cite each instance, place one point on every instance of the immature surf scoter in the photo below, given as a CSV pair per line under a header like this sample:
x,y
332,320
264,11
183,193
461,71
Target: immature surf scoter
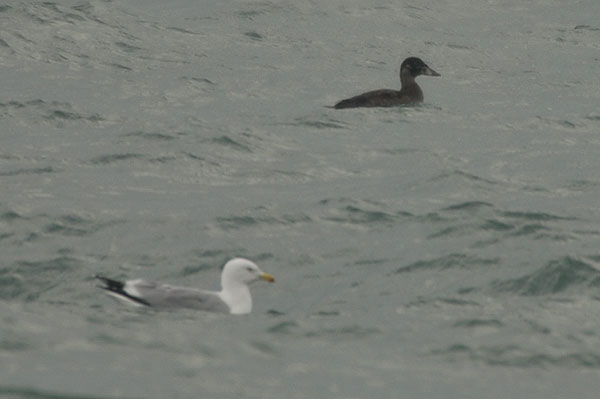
x,y
409,93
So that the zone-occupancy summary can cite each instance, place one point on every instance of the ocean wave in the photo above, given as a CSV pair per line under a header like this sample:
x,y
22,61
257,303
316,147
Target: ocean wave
x,y
565,275
510,355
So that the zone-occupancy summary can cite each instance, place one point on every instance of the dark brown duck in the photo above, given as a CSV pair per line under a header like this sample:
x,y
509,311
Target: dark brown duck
x,y
409,93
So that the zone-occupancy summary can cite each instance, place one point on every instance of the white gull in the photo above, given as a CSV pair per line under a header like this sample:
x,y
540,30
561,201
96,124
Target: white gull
x,y
233,298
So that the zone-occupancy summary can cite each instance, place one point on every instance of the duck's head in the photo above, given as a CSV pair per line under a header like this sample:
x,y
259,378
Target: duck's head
x,y
415,67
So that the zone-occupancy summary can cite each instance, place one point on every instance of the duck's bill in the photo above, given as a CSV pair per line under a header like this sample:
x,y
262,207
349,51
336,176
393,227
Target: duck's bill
x,y
267,277
430,72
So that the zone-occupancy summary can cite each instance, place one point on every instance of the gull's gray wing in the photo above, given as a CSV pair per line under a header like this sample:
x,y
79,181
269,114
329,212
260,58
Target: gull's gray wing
x,y
169,296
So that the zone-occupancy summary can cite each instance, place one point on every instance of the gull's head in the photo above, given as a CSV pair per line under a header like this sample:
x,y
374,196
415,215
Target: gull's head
x,y
244,271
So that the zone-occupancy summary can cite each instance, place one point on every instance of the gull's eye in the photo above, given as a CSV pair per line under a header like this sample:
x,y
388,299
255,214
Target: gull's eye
x,y
249,269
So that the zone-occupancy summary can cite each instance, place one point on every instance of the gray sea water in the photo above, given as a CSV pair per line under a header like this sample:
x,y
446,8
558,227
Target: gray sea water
x,y
444,250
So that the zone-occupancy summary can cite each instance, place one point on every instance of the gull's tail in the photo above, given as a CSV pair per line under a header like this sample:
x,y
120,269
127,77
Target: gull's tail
x,y
117,289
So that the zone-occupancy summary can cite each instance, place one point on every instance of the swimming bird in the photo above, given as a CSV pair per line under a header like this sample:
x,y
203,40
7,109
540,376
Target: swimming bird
x,y
233,298
409,93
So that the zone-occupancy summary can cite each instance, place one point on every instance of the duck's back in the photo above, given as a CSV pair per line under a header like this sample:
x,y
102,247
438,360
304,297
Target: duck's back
x,y
383,98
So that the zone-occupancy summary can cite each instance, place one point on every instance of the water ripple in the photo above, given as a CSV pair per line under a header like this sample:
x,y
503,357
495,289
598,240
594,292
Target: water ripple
x,y
477,217
236,222
29,171
27,280
113,158
336,333
558,276
513,356
231,143
324,122
357,212
152,136
53,111
451,261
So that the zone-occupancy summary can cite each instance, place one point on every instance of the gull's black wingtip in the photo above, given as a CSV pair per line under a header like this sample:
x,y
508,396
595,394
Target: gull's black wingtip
x,y
110,284
117,288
